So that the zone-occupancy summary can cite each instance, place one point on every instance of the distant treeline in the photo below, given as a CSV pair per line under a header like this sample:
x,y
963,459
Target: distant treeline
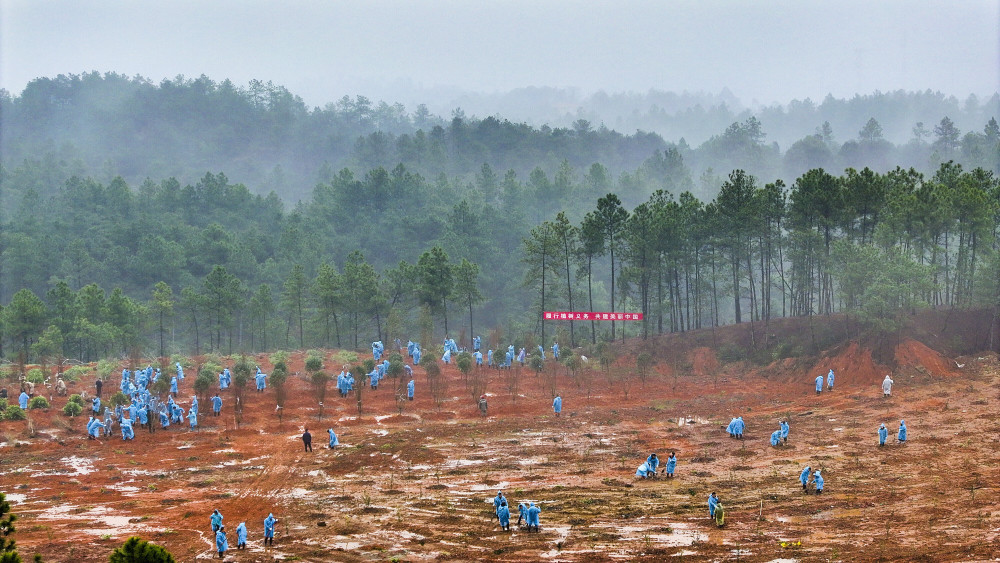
x,y
266,138
89,269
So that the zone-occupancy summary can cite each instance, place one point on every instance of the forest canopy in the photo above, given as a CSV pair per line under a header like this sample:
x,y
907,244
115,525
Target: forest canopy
x,y
192,215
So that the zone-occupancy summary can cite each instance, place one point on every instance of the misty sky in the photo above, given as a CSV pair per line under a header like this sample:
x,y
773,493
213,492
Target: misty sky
x,y
404,51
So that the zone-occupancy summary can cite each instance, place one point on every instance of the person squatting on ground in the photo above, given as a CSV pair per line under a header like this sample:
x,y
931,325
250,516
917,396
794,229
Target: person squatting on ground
x,y
776,437
648,468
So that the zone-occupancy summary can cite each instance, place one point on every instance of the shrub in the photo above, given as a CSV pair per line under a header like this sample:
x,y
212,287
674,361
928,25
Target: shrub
x,y
730,352
120,398
279,357
38,403
76,398
14,412
74,373
72,409
210,369
314,364
136,550
36,376
105,368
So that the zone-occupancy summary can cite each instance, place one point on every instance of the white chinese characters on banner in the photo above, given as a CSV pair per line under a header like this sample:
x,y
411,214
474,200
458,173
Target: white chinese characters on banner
x,y
590,316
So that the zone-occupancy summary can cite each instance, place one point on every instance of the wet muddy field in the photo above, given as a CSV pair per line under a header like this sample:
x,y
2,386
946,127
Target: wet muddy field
x,y
417,484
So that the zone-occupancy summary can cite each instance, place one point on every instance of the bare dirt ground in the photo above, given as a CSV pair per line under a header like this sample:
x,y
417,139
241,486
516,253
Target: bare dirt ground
x,y
418,486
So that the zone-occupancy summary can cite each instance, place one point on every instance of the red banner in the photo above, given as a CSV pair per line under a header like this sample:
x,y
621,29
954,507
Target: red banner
x,y
590,316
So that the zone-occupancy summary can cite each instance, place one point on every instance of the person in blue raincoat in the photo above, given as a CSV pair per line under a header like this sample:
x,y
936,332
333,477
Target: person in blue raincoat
x,y
261,380
215,520
776,437
334,442
541,352
521,355
731,428
409,348
479,358
164,418
829,381
107,421
241,536
648,468
883,433
503,514
269,529
557,405
94,428
476,342
409,390
902,432
818,481
713,501
497,501
127,432
446,358
193,419
489,357
533,512
804,479
216,404
671,465
555,350
819,384
739,427
784,431
173,385
96,404
221,543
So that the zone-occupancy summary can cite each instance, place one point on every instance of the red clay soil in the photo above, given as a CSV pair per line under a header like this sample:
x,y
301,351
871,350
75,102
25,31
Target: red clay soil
x,y
703,361
910,353
417,486
852,366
